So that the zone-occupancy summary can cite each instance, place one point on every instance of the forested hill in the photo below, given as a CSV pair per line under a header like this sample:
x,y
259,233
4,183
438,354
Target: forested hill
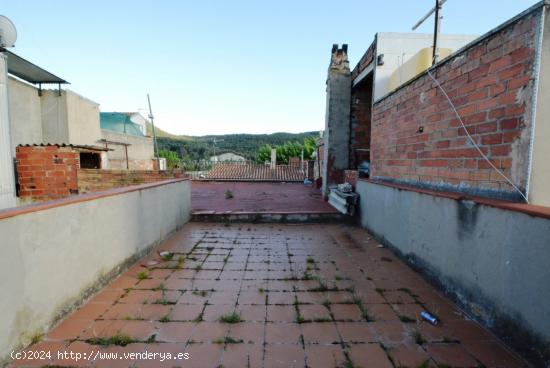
x,y
247,145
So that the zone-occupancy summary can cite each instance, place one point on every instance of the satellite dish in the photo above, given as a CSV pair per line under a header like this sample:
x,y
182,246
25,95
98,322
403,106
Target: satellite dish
x,y
8,33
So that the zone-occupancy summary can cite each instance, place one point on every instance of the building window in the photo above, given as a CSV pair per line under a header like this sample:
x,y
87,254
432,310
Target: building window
x,y
89,160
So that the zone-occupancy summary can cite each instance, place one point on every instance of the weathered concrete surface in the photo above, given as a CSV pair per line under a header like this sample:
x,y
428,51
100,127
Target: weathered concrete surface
x,y
337,118
50,259
494,262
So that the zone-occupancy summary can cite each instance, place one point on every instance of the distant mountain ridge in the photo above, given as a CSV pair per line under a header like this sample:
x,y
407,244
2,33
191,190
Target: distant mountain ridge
x,y
202,147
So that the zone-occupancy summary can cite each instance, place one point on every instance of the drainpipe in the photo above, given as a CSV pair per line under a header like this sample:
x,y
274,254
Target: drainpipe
x,y
538,57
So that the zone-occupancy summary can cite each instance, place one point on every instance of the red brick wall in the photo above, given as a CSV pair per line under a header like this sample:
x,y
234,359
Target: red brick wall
x,y
351,176
360,124
365,60
416,136
46,172
93,180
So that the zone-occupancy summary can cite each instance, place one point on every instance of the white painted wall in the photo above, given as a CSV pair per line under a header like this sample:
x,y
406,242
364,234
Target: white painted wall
x,y
82,119
7,180
25,113
71,246
142,148
54,118
400,47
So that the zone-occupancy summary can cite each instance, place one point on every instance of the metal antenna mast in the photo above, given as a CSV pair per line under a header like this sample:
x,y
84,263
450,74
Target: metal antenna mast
x,y
153,125
437,27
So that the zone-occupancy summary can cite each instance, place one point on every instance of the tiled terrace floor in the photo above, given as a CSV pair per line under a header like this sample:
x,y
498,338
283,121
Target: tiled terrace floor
x,y
306,295
257,197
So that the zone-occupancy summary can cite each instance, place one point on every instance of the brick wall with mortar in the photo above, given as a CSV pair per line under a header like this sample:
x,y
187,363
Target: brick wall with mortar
x,y
95,180
417,138
47,172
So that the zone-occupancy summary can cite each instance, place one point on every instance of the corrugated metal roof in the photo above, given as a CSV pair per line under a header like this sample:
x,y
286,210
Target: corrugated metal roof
x,y
28,71
75,146
119,122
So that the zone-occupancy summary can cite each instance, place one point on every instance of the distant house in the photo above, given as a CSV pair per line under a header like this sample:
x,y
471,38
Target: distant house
x,y
124,134
227,157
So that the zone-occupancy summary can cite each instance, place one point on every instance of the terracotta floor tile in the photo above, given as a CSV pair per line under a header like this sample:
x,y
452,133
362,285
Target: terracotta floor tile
x,y
90,311
252,313
194,298
123,311
391,333
355,331
249,332
325,356
493,354
369,355
346,312
281,313
242,355
140,297
178,332
213,313
314,312
320,333
105,358
453,355
224,297
207,332
139,330
411,355
287,356
106,296
68,329
105,328
282,333
281,298
343,257
186,312
178,284
382,312
252,297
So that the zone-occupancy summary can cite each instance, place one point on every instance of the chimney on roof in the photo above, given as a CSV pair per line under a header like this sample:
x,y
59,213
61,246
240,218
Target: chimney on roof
x,y
273,158
337,119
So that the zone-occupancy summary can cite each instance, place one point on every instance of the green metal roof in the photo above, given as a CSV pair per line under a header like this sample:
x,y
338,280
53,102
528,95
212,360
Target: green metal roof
x,y
120,123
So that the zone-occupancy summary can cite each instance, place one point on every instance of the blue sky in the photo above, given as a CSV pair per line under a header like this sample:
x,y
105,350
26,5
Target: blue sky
x,y
216,67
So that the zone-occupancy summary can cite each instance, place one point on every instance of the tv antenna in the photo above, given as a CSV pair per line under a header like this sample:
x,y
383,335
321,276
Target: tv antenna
x,y
8,33
153,126
437,27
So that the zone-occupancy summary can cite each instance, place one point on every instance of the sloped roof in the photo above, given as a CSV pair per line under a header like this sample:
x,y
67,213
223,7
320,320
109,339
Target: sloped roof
x,y
28,71
119,122
248,172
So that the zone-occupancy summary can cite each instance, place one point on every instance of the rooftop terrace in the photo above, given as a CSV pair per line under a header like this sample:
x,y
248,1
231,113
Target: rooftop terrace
x,y
280,295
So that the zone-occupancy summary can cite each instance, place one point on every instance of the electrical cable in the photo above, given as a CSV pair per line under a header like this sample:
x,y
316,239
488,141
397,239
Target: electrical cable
x,y
473,141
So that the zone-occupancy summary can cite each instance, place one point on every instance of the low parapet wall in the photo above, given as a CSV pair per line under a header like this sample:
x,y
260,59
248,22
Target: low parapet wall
x,y
55,254
490,256
95,180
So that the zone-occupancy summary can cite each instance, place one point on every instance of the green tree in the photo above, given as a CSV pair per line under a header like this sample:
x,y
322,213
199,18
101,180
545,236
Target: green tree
x,y
172,159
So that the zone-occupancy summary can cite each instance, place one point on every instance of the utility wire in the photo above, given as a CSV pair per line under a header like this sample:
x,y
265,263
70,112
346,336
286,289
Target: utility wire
x,y
473,141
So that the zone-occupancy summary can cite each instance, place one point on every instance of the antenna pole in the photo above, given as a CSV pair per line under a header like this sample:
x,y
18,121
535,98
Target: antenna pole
x,y
437,27
153,125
